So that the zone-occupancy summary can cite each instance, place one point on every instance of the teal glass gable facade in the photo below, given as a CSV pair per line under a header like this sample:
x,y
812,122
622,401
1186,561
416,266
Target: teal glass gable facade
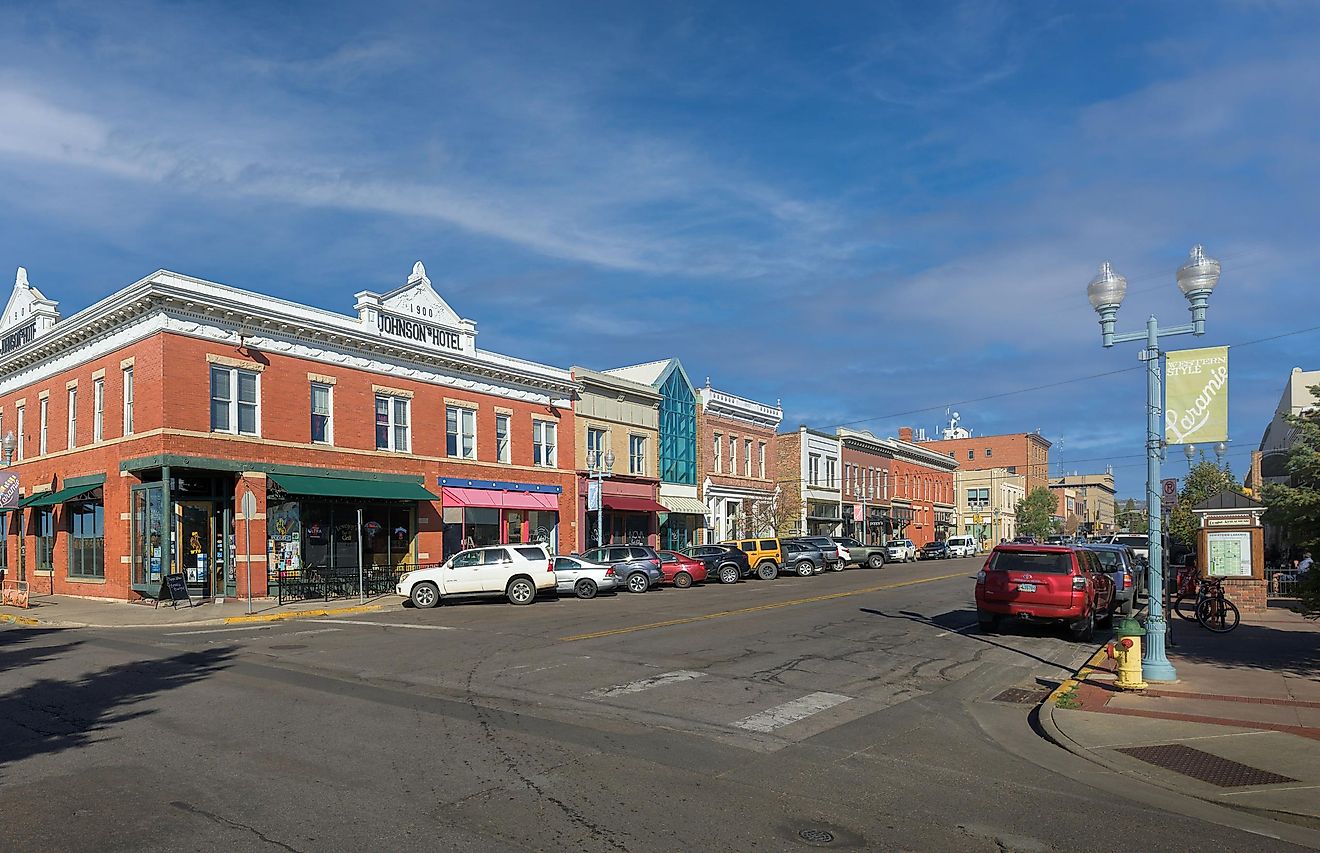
x,y
678,430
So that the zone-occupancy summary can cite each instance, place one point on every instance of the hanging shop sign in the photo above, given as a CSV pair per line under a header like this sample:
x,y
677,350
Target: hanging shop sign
x,y
1196,396
410,329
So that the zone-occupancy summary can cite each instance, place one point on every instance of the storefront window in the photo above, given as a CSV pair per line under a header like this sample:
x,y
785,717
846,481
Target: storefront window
x,y
482,526
86,539
148,505
44,527
542,528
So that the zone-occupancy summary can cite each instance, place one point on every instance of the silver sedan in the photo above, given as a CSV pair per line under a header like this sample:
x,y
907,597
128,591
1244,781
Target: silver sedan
x,y
583,579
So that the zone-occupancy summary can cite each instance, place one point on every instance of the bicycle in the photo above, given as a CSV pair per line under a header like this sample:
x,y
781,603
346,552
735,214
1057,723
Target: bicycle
x,y
1191,592
1215,612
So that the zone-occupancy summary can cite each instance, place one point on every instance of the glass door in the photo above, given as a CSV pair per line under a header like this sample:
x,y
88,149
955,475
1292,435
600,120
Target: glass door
x,y
196,535
513,526
147,545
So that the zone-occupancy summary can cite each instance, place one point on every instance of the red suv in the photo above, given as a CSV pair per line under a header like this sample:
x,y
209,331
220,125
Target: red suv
x,y
1044,583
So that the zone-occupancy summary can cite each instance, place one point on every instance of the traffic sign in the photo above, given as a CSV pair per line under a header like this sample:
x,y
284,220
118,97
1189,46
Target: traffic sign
x,y
1169,493
976,519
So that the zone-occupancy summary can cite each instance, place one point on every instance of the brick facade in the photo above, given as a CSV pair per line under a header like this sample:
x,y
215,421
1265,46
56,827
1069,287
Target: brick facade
x,y
738,485
1027,454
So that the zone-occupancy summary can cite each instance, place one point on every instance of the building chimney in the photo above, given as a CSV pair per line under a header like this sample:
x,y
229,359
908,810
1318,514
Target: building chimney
x,y
905,433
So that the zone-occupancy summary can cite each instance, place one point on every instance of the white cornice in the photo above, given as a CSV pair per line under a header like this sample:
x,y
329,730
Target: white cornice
x,y
725,405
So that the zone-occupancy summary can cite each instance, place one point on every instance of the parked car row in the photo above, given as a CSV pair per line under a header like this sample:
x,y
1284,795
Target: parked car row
x,y
521,572
1079,586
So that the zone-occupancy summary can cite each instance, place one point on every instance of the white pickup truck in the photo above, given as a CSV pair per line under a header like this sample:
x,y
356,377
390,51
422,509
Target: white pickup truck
x,y
900,551
1138,542
516,572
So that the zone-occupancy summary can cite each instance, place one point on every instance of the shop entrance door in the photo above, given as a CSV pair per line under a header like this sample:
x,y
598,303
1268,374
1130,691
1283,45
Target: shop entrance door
x,y
513,526
196,552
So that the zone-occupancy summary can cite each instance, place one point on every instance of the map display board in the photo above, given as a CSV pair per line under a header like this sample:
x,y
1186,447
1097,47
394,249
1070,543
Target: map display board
x,y
1230,554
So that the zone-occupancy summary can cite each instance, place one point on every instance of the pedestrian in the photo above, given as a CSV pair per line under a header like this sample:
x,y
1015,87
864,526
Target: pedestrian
x,y
1306,563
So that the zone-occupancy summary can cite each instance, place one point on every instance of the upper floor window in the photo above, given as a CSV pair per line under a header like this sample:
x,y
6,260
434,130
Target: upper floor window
x,y
544,439
989,452
637,454
831,472
733,454
98,410
234,400
971,454
460,432
813,469
595,446
322,428
719,453
761,457
392,423
19,450
501,438
73,418
747,457
128,401
41,441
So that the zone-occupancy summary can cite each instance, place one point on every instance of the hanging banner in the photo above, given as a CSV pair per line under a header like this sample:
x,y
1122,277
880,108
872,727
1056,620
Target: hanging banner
x,y
593,495
9,491
1196,396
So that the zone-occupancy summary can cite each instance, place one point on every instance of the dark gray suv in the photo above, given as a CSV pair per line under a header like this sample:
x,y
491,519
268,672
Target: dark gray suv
x,y
637,566
802,559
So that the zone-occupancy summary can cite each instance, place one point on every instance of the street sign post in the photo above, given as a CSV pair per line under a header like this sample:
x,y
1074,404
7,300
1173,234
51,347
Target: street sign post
x,y
248,508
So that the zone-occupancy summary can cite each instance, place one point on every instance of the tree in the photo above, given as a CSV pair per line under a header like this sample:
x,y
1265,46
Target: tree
x,y
1133,517
1295,506
1205,480
1035,513
779,515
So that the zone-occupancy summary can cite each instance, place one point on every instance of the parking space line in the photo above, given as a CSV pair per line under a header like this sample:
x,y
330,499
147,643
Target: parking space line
x,y
220,630
790,712
957,630
772,606
382,624
646,683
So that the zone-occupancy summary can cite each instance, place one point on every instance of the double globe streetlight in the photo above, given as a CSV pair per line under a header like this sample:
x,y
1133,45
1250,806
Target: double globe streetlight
x,y
1196,279
600,466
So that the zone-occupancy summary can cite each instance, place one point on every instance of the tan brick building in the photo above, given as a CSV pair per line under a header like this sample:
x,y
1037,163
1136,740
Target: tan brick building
x,y
736,463
383,438
1094,508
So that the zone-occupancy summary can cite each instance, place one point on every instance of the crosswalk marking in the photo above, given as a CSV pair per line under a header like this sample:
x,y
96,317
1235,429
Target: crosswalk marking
x,y
647,683
790,712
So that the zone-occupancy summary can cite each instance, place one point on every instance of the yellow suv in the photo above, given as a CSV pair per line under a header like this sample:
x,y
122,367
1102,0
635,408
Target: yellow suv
x,y
764,556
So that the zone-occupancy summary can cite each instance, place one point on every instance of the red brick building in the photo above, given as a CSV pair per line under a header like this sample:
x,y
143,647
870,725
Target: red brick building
x,y
922,491
867,508
1025,453
736,463
383,439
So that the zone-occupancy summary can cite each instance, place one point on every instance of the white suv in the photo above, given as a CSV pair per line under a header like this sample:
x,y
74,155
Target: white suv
x,y
517,572
961,546
900,551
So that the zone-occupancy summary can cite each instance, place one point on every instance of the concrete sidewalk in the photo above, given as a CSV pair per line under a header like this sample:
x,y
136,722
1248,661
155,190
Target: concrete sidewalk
x,y
64,611
1240,727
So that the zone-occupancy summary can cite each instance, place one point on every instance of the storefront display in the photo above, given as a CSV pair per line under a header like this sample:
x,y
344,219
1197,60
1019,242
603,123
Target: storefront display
x,y
478,513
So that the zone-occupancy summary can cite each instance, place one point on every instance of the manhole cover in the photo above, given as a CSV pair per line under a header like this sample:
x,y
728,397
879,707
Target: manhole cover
x,y
289,647
1022,696
1204,766
816,836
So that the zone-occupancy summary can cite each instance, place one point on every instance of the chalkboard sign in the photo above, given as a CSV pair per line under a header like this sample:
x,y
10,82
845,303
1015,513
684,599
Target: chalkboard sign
x,y
176,587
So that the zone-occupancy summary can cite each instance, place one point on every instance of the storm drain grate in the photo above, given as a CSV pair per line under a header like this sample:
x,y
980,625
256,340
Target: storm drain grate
x,y
816,836
1204,766
1022,696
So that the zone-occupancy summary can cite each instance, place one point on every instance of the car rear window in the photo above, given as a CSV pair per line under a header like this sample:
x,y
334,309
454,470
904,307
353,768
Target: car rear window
x,y
531,553
768,544
640,553
1132,541
1047,562
1109,559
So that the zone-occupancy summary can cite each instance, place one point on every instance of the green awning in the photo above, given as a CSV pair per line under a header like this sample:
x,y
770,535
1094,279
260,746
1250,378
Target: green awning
x,y
339,487
72,493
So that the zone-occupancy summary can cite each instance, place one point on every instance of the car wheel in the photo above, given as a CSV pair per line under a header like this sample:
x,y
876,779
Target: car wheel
x,y
1084,631
987,622
805,569
840,566
585,588
425,594
521,591
767,571
638,582
875,561
682,580
728,574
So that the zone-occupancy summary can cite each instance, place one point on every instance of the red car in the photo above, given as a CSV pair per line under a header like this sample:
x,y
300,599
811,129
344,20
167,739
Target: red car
x,y
681,570
1044,583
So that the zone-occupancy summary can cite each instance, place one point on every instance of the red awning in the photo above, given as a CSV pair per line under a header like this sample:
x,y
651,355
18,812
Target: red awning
x,y
624,504
456,496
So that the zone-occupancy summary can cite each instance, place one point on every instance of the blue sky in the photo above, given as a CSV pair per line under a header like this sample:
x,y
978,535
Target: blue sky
x,y
863,209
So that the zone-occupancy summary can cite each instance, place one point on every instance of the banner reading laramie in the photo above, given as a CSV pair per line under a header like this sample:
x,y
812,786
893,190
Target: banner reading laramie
x,y
1196,396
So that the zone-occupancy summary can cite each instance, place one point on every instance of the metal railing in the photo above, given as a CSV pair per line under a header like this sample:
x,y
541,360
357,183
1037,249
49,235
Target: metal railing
x,y
323,582
1282,582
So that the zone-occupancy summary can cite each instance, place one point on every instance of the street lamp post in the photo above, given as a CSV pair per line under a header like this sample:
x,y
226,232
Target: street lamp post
x,y
1196,279
598,473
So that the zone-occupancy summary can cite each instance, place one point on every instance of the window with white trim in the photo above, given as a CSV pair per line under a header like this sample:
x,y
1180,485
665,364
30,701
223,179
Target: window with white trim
x,y
831,471
234,400
733,454
760,452
719,453
637,454
813,469
595,447
460,432
501,438
322,414
19,450
98,410
128,401
392,423
41,442
73,418
747,457
544,439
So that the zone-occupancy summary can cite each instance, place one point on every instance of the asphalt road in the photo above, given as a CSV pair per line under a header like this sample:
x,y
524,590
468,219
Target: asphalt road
x,y
862,704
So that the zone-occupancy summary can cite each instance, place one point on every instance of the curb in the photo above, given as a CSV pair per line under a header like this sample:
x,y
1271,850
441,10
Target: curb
x,y
33,622
1045,715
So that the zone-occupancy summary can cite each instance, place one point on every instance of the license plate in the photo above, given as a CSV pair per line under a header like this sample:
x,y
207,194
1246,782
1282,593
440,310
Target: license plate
x,y
1026,587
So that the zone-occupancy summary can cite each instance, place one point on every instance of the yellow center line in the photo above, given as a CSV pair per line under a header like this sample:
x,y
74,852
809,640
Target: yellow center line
x,y
723,613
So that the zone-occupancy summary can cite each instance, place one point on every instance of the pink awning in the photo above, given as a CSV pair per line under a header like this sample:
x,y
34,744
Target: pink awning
x,y
457,496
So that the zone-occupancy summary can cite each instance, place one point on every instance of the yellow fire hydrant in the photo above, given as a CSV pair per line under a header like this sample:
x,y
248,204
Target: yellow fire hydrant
x,y
1126,649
